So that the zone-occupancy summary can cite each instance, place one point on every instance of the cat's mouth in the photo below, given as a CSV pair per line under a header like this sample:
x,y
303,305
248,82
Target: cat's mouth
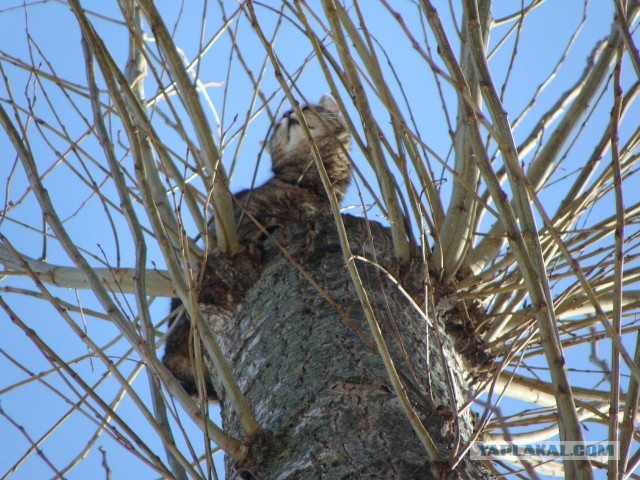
x,y
291,121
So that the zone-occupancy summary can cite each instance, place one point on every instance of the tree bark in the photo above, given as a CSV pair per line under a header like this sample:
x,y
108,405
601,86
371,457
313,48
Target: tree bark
x,y
312,376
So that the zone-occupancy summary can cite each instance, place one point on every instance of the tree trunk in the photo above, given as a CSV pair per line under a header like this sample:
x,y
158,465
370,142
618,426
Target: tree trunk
x,y
313,377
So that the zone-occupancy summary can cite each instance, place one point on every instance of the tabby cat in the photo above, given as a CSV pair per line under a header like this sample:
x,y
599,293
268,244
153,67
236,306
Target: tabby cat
x,y
296,190
295,193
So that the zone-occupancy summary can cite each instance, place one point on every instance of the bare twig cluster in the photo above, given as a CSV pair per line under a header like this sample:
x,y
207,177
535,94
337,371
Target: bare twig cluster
x,y
519,194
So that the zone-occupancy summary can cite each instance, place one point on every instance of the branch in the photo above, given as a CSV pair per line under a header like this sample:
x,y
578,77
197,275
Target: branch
x,y
456,234
527,253
120,280
135,74
585,89
226,230
618,272
542,165
623,27
540,393
384,176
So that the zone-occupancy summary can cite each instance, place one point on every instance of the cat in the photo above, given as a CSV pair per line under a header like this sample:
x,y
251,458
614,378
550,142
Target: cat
x,y
296,190
295,193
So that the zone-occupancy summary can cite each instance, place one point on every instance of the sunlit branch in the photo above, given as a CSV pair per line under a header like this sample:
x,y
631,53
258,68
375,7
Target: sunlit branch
x,y
225,223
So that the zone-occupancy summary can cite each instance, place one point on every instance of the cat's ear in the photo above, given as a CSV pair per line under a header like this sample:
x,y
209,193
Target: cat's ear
x,y
327,102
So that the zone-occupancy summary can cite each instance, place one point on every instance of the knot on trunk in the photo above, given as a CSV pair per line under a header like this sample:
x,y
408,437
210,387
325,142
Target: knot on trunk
x,y
260,446
226,278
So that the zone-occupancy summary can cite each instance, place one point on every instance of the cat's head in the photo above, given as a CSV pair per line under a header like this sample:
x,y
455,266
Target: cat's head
x,y
289,143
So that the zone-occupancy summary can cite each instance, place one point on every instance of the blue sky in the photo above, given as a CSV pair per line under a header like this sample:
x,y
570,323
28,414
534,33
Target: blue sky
x,y
51,25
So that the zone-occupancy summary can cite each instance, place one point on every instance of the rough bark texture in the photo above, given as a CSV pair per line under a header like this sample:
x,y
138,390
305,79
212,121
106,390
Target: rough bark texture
x,y
315,382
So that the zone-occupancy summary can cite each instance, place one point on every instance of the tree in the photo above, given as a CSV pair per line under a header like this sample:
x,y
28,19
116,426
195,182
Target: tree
x,y
493,235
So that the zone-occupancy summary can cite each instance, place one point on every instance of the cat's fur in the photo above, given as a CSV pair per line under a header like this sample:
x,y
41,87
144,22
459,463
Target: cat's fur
x,y
295,193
